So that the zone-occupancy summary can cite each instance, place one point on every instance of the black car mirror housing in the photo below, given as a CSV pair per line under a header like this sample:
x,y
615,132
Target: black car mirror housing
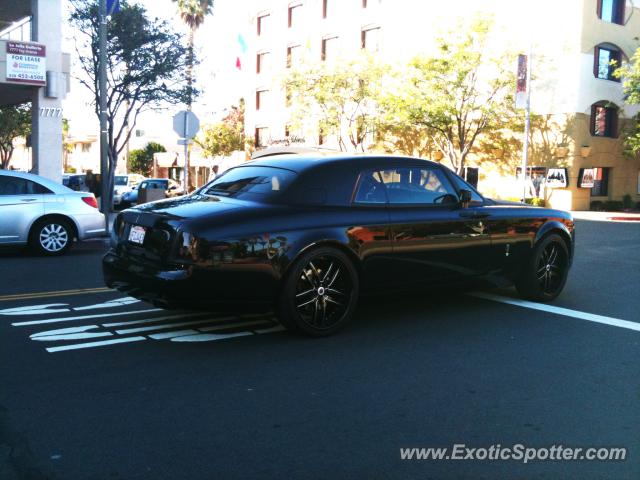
x,y
465,197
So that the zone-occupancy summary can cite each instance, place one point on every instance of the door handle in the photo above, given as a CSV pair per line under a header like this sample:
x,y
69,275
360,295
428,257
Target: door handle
x,y
28,199
468,214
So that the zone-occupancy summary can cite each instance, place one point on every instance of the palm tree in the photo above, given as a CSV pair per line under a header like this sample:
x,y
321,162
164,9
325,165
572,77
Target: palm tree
x,y
192,13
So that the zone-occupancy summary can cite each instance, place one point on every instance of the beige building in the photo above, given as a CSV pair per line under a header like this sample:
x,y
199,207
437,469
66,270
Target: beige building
x,y
34,69
573,43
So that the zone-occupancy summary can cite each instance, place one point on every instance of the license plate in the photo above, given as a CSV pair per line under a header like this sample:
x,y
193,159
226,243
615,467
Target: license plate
x,y
136,234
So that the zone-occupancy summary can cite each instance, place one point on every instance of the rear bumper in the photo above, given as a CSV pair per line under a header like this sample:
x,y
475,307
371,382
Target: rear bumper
x,y
90,225
190,287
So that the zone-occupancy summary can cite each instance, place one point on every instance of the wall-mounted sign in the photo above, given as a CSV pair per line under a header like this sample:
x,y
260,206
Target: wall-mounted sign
x,y
586,180
26,63
557,178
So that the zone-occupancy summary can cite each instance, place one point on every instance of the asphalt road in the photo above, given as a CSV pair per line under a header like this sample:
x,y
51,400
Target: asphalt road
x,y
96,387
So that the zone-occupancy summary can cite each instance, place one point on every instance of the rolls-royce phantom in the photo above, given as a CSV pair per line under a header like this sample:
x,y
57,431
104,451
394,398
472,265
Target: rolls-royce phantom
x,y
306,234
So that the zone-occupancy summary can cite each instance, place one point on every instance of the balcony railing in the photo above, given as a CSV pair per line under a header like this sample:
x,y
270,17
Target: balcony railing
x,y
19,30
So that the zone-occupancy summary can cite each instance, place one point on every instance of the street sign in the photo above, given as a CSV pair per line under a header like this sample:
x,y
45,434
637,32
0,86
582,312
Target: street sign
x,y
186,124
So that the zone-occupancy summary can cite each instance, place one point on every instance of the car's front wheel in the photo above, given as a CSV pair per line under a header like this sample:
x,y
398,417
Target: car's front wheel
x,y
545,273
51,236
320,293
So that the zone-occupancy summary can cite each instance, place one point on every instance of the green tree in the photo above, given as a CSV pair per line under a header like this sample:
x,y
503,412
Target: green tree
x,y
224,137
455,96
145,58
340,96
630,74
141,159
193,13
15,121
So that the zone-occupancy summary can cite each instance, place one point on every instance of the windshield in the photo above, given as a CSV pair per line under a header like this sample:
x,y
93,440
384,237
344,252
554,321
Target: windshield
x,y
240,181
121,180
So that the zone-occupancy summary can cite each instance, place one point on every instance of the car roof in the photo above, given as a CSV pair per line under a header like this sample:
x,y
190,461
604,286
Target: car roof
x,y
50,184
299,163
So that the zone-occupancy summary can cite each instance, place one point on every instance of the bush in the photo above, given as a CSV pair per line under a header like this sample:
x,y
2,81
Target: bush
x,y
596,206
612,205
536,202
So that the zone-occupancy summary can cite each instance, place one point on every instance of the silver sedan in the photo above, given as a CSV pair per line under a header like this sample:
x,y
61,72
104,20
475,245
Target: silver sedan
x,y
44,214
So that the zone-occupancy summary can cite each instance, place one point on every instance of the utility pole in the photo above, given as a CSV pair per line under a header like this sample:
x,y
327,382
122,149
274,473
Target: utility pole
x,y
102,90
527,126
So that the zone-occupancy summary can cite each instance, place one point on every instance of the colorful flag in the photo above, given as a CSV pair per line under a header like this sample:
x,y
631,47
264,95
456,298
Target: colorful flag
x,y
242,43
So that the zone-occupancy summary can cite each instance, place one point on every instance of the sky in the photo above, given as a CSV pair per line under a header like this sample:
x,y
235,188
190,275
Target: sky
x,y
217,47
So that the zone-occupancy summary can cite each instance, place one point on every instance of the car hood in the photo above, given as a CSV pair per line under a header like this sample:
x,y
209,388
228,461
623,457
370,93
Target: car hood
x,y
507,202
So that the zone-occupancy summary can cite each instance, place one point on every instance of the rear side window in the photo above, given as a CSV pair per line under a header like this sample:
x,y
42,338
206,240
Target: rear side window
x,y
20,186
240,181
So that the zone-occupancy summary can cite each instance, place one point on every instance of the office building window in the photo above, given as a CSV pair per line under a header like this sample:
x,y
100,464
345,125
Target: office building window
x,y
611,11
294,53
294,14
606,59
261,136
324,8
329,48
604,120
263,21
261,99
262,62
370,39
364,3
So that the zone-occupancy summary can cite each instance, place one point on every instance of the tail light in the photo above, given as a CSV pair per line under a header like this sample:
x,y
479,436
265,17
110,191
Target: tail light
x,y
91,201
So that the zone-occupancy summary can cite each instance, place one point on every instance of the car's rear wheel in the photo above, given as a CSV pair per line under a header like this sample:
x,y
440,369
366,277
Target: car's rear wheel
x,y
545,274
52,236
320,293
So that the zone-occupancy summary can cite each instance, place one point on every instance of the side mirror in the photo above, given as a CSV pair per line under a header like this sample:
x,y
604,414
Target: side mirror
x,y
465,197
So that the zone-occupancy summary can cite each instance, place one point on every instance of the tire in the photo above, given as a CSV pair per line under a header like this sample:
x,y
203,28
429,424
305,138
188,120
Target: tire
x,y
319,294
545,273
51,236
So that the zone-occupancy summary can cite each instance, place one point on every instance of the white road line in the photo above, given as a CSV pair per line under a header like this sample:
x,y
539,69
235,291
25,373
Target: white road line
x,y
36,309
110,304
162,327
158,319
175,333
74,333
235,325
84,317
209,337
102,343
590,317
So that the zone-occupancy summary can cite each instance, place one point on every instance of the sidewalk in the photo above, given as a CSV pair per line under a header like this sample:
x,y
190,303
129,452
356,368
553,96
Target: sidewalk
x,y
606,216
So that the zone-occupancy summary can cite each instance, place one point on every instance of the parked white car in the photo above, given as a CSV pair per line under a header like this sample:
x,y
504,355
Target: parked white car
x,y
44,214
123,184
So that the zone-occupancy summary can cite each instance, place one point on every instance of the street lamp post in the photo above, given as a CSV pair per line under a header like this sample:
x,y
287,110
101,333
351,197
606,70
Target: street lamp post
x,y
102,91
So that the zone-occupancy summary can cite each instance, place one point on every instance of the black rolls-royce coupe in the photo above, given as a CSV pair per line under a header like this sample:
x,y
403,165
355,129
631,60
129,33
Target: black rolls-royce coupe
x,y
306,234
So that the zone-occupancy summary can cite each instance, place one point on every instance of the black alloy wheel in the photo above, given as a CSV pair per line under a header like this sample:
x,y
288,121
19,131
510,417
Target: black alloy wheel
x,y
545,274
320,293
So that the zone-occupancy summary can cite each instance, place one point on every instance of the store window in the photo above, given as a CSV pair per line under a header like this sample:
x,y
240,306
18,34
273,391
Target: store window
x,y
600,182
606,59
604,120
611,11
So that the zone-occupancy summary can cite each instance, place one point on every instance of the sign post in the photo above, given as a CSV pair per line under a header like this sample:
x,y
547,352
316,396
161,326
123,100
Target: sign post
x,y
186,124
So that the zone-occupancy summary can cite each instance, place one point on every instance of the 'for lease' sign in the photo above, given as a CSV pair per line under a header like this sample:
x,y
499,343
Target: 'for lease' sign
x,y
26,63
